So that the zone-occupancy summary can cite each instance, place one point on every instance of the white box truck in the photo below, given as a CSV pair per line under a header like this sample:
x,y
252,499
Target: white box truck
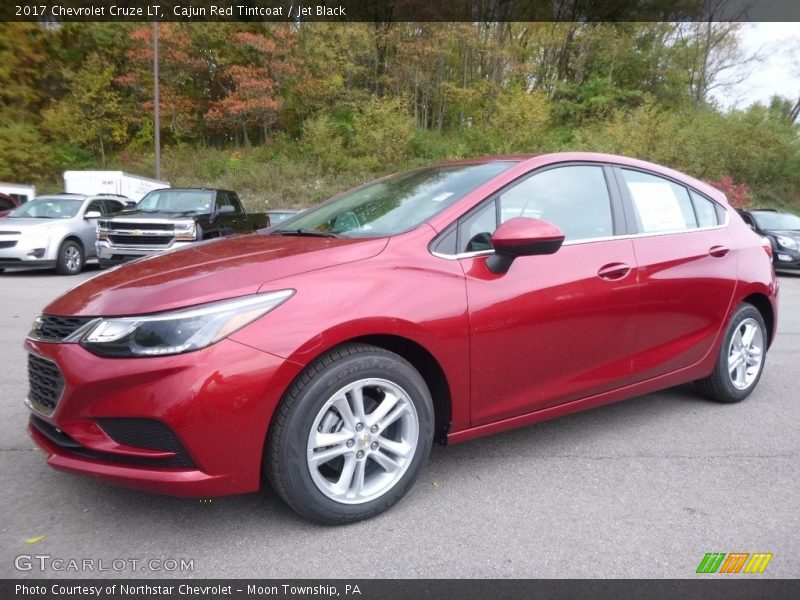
x,y
22,193
110,182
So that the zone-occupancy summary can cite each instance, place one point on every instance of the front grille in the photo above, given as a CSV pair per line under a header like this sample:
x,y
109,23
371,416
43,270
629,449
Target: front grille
x,y
10,232
57,437
7,244
140,240
144,226
45,384
48,328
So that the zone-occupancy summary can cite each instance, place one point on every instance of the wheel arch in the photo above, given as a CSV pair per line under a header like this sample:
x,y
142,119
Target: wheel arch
x,y
764,306
427,366
71,237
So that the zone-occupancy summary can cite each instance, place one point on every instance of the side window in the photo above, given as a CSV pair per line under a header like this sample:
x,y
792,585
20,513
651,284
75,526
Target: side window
x,y
6,204
96,206
476,229
222,199
705,210
112,206
659,204
234,200
573,197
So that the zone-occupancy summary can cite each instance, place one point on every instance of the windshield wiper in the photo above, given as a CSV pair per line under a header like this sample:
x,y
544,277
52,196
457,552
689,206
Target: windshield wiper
x,y
306,232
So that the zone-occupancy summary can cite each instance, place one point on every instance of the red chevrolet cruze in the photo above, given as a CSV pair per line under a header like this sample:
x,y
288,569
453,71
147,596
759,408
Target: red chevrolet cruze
x,y
447,303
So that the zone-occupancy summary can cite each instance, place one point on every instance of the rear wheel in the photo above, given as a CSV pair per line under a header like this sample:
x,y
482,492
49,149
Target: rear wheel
x,y
741,358
351,435
70,258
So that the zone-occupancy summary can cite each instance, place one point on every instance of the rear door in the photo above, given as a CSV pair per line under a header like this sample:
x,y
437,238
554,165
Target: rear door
x,y
553,328
687,272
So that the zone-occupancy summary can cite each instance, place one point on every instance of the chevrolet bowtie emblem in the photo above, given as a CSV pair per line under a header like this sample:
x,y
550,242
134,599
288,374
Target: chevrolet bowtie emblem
x,y
137,232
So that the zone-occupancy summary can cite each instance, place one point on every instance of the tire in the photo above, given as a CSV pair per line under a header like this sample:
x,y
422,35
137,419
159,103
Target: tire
x,y
731,385
70,258
105,263
384,453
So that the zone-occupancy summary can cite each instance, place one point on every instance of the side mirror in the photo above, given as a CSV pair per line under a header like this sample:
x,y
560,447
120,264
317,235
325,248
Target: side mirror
x,y
226,210
522,236
92,214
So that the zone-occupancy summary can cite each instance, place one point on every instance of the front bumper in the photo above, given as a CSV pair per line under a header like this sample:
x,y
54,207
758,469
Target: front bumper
x,y
786,260
216,403
120,254
26,251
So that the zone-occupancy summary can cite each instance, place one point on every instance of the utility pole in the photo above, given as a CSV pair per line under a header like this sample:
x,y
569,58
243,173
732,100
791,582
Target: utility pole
x,y
156,108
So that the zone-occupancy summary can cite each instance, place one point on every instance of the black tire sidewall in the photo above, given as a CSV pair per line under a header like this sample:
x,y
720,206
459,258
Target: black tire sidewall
x,y
733,394
303,492
61,265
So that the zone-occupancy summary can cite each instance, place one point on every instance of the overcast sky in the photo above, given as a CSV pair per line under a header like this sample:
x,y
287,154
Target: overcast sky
x,y
778,73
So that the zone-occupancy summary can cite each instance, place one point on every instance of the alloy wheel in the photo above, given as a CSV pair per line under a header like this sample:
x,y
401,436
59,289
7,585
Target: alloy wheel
x,y
745,354
362,441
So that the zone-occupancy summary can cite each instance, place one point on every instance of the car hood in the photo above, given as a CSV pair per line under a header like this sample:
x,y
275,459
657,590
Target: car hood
x,y
791,233
208,271
141,215
24,224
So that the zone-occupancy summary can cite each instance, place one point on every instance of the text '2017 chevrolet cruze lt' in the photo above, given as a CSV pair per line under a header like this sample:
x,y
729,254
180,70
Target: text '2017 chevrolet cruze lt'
x,y
327,354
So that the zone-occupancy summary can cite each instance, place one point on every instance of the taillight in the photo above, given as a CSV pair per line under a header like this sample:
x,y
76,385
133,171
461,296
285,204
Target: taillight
x,y
765,243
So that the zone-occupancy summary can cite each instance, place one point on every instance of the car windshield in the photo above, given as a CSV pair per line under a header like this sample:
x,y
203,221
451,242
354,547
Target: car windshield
x,y
394,204
184,201
48,208
777,221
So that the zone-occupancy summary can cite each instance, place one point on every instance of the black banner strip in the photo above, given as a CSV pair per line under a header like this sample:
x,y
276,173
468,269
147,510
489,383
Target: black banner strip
x,y
399,10
708,588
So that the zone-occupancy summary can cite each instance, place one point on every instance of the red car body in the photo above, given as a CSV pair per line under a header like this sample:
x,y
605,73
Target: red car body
x,y
591,324
7,204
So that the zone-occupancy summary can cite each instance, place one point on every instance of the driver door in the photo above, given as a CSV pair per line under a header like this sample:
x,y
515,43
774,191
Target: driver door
x,y
87,227
554,328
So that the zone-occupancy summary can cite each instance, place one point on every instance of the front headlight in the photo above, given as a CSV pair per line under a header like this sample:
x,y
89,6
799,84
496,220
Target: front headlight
x,y
181,330
787,242
185,231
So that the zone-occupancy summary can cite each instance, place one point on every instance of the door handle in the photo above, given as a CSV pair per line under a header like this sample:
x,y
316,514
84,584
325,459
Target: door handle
x,y
718,251
613,271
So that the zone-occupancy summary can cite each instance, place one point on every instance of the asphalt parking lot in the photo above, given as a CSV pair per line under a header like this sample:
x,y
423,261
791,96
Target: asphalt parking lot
x,y
643,488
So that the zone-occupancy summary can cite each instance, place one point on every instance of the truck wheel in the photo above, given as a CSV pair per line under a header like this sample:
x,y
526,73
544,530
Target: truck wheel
x,y
70,258
105,263
350,436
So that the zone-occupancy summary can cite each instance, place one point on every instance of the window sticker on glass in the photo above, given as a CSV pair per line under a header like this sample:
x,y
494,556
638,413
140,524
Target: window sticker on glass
x,y
657,206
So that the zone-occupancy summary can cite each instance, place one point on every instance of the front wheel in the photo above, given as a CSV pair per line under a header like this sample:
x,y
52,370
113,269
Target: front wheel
x,y
741,358
70,258
351,435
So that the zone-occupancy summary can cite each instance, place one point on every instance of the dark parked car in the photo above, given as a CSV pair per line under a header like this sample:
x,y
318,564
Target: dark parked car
x,y
446,303
782,229
170,218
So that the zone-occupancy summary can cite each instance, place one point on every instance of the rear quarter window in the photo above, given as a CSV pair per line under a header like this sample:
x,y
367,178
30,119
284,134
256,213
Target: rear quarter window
x,y
659,204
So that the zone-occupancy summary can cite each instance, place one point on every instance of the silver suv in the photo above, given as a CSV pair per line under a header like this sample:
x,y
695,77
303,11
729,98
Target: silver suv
x,y
54,231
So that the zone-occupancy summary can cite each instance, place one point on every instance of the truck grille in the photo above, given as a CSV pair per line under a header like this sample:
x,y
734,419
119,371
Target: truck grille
x,y
48,328
7,244
143,226
140,240
45,384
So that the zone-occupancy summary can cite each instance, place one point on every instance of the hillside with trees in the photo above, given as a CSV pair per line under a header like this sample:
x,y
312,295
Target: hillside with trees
x,y
288,114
